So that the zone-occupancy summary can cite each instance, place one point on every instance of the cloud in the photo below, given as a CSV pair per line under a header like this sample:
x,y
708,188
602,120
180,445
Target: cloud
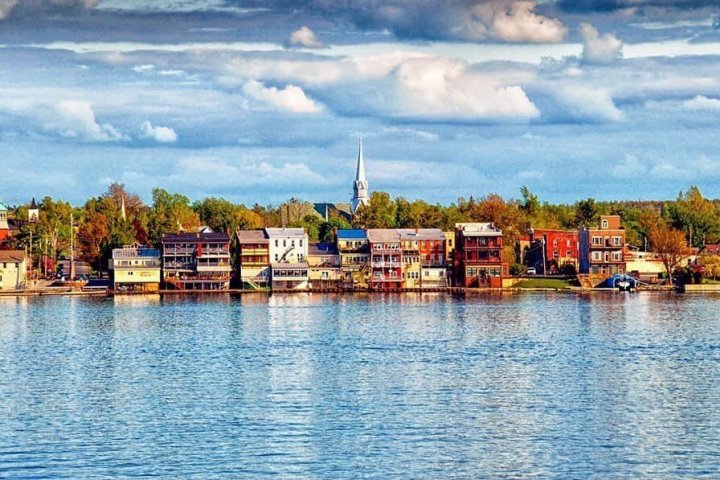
x,y
631,167
633,5
304,37
599,48
441,88
701,102
35,7
289,99
76,119
159,134
588,104
474,20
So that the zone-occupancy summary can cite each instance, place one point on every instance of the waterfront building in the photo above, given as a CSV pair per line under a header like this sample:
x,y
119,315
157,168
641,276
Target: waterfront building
x,y
354,249
324,266
360,186
196,261
478,260
288,258
549,251
423,257
601,249
13,269
385,259
449,246
254,259
136,268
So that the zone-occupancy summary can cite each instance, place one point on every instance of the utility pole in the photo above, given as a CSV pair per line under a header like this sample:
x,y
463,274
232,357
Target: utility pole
x,y
72,246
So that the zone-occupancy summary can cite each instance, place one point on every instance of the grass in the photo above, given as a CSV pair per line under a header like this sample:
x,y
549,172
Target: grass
x,y
710,281
543,283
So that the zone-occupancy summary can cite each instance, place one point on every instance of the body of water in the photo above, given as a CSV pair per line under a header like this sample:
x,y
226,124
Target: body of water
x,y
355,386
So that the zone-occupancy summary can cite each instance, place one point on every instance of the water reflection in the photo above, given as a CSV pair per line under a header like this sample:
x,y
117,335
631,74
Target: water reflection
x,y
347,386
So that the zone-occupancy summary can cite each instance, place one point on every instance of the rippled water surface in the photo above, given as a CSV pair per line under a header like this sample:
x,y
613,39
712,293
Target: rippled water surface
x,y
560,386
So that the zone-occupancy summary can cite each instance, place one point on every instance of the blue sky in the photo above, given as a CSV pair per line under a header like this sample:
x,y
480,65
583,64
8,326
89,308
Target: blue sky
x,y
260,101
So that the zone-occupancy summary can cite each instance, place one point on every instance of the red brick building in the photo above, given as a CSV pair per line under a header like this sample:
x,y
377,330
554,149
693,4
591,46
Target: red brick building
x,y
478,258
602,249
551,250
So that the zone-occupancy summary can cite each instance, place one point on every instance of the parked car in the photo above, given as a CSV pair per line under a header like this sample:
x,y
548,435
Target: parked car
x,y
531,271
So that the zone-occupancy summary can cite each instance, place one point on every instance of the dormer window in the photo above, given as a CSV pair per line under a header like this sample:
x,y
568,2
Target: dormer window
x,y
604,224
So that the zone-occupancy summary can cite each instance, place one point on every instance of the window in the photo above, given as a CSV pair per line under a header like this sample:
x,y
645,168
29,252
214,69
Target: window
x,y
277,257
284,243
276,242
568,253
597,256
604,224
292,243
617,256
617,240
301,242
597,240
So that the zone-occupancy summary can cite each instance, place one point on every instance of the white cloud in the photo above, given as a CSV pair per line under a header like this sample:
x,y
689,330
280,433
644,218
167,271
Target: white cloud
x,y
6,6
143,68
631,167
289,99
76,119
701,102
599,48
159,134
442,88
304,37
586,103
517,21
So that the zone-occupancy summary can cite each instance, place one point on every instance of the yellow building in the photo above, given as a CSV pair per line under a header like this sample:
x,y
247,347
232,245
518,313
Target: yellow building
x,y
324,266
449,246
13,267
354,250
136,268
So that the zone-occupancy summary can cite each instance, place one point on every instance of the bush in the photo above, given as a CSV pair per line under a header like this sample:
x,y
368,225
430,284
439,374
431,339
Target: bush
x,y
517,269
568,269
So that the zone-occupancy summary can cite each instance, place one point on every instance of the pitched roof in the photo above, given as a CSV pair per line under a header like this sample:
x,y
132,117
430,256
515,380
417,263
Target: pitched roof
x,y
421,234
3,207
285,232
252,236
12,256
383,235
485,229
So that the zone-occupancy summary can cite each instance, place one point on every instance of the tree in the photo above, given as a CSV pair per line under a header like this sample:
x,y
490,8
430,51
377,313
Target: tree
x,y
586,212
326,232
669,244
93,234
695,215
171,212
380,213
711,266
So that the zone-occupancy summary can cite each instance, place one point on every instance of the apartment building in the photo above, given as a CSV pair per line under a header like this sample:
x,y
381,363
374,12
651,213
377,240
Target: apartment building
x,y
385,260
196,261
135,268
602,249
288,252
423,257
254,259
324,266
478,261
354,249
550,251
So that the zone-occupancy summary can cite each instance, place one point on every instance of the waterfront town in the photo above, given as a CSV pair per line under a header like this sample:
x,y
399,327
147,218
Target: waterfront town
x,y
325,247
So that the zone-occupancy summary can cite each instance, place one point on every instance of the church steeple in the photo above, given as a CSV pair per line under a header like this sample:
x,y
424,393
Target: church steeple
x,y
360,187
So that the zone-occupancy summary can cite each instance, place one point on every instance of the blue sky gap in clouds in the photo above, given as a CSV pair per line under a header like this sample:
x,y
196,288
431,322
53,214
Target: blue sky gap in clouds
x,y
263,101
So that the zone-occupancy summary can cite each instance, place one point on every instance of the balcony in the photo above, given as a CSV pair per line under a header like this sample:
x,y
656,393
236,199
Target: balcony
x,y
386,264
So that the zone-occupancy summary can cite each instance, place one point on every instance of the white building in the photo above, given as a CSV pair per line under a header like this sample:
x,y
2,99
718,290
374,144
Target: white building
x,y
288,252
360,186
12,269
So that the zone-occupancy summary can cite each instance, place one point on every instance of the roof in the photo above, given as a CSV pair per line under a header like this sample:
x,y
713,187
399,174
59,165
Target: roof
x,y
12,256
352,234
478,229
33,204
252,236
3,207
383,235
421,234
714,249
288,266
195,237
284,232
317,248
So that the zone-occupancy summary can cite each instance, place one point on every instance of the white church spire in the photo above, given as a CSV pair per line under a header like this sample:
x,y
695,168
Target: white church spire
x,y
360,187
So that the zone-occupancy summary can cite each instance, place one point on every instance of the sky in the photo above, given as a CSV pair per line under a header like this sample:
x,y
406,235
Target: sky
x,y
260,101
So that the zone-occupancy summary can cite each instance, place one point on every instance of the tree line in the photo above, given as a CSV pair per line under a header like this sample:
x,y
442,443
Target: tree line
x,y
690,220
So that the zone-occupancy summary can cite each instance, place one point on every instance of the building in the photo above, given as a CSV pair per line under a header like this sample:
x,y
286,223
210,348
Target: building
x,y
449,246
648,266
4,225
478,258
33,212
288,251
360,186
196,261
136,268
423,257
385,260
354,249
601,249
324,266
550,251
254,259
13,269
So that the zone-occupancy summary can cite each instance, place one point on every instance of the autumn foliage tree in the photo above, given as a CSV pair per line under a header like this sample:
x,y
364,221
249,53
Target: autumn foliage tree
x,y
669,244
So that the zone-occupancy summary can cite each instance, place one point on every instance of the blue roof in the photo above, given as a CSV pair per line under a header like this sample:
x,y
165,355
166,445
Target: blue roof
x,y
353,233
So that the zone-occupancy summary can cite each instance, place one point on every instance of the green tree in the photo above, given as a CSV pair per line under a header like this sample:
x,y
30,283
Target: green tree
x,y
695,215
380,213
170,212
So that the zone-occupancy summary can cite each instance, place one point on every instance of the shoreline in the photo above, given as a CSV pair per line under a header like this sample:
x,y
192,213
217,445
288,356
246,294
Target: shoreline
x,y
453,291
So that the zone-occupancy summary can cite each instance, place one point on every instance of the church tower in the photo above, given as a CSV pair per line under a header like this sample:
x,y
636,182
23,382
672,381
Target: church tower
x,y
360,187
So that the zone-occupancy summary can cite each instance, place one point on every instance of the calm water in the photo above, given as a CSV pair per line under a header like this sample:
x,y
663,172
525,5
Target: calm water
x,y
560,386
